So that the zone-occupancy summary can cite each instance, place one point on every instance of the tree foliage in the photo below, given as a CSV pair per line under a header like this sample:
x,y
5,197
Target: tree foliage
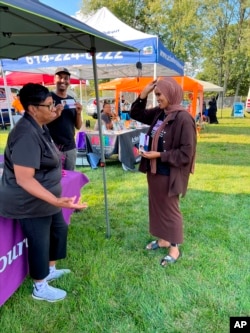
x,y
211,36
226,49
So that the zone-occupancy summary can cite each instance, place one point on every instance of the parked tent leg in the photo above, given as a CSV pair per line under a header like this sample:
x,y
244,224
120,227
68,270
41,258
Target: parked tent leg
x,y
101,143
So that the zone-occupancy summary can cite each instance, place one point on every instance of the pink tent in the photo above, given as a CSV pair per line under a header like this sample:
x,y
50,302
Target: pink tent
x,y
21,78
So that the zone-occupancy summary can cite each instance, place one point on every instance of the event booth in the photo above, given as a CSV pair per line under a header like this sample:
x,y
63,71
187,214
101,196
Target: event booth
x,y
35,31
193,90
153,57
15,80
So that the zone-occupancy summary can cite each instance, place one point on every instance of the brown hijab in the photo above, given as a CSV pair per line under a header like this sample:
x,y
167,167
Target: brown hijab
x,y
174,94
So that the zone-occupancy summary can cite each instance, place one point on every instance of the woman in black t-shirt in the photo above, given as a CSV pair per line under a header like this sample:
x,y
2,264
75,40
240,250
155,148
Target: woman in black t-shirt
x,y
30,190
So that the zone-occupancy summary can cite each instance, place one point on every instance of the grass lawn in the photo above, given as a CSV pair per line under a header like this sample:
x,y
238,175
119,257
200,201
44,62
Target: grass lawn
x,y
116,286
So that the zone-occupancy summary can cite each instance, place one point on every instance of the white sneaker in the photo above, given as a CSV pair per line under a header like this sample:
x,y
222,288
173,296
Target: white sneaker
x,y
56,274
48,293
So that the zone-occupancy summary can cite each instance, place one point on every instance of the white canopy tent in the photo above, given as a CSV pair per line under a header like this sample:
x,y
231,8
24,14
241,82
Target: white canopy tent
x,y
155,58
208,86
211,87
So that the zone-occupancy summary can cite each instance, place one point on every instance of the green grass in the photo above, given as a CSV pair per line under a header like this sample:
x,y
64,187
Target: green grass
x,y
118,287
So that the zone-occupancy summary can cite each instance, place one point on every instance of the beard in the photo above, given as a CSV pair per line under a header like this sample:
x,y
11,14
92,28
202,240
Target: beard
x,y
61,87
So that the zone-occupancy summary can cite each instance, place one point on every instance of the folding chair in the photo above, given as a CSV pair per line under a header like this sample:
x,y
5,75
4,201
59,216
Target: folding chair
x,y
81,146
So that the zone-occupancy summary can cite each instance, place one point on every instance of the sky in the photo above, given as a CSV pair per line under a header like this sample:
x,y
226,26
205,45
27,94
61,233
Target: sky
x,y
69,7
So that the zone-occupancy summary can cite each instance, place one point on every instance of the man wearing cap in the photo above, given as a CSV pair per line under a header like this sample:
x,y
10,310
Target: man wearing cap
x,y
62,129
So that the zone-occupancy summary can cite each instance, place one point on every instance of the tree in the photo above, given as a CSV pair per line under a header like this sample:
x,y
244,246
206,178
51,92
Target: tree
x,y
210,36
178,26
176,22
226,50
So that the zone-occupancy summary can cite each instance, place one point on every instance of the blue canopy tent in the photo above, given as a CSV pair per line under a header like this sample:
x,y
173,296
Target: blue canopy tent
x,y
155,58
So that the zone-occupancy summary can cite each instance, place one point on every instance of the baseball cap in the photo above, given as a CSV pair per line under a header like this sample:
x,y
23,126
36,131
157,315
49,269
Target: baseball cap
x,y
62,70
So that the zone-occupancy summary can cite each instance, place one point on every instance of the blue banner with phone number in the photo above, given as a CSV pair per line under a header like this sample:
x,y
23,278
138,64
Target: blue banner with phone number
x,y
151,51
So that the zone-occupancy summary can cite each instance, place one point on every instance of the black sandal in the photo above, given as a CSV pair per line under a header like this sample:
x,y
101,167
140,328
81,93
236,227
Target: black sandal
x,y
154,245
168,259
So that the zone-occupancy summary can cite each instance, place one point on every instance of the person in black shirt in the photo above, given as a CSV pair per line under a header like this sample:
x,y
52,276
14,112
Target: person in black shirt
x,y
212,110
30,190
62,129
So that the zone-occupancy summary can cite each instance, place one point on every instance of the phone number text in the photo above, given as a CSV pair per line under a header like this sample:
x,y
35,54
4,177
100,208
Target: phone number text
x,y
74,56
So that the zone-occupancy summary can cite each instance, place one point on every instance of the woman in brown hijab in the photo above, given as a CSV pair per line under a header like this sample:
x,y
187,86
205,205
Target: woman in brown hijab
x,y
168,163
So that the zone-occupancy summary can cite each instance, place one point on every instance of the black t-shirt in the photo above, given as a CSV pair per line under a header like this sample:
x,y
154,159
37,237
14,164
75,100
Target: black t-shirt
x,y
29,145
62,129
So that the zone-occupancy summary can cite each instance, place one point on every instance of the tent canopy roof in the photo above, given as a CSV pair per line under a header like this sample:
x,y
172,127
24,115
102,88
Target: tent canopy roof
x,y
51,34
21,78
113,26
155,58
133,84
137,84
30,28
208,86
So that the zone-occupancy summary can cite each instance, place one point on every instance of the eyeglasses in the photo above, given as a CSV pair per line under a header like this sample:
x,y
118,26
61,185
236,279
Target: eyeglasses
x,y
49,106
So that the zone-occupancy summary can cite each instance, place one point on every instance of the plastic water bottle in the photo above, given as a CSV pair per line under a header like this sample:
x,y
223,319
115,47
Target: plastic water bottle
x,y
104,129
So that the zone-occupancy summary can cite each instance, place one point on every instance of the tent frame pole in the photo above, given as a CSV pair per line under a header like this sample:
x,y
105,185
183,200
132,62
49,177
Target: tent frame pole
x,y
103,163
154,78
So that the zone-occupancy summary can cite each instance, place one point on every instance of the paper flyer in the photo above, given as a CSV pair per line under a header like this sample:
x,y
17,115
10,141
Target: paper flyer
x,y
68,103
143,142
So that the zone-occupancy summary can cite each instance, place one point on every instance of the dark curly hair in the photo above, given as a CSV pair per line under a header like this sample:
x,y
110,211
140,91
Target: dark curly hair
x,y
32,94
